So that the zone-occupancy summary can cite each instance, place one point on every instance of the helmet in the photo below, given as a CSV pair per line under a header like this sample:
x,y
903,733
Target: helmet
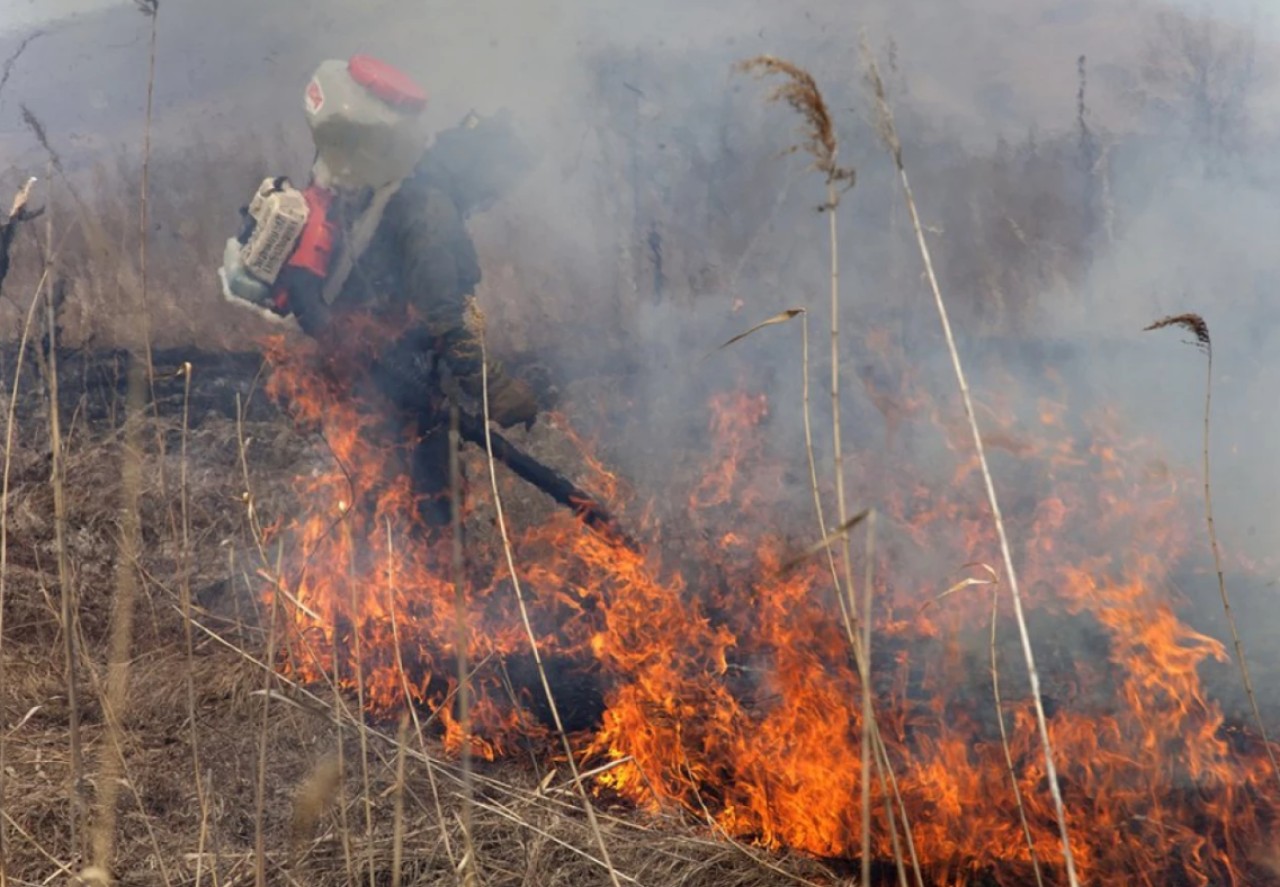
x,y
366,120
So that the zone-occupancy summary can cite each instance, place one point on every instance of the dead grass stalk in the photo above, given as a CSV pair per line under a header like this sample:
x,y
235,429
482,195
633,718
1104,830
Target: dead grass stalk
x,y
184,590
151,9
864,676
469,865
10,427
408,695
1004,743
587,806
889,134
1196,325
69,606
366,793
17,213
260,786
800,91
397,840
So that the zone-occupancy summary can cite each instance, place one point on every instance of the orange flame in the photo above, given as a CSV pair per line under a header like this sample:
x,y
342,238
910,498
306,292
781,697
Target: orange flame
x,y
730,687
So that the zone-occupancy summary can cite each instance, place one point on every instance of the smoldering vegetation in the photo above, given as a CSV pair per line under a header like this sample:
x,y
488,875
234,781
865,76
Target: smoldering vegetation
x,y
668,214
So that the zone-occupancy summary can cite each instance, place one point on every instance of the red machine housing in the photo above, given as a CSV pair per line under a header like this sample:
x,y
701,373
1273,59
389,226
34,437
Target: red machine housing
x,y
316,244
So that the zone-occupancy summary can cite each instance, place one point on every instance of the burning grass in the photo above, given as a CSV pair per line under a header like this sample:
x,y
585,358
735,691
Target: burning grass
x,y
730,713
709,683
729,693
712,698
526,826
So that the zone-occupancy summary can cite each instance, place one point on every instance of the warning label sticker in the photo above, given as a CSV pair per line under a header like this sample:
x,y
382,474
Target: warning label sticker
x,y
315,97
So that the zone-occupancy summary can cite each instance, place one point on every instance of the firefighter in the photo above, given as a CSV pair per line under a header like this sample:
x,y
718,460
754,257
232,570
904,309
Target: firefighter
x,y
381,233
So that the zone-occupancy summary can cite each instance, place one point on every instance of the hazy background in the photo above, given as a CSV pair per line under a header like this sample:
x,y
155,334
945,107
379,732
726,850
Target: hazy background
x,y
661,218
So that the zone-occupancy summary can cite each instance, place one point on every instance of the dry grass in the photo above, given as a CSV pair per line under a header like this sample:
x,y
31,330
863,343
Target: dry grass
x,y
888,131
523,832
191,209
1199,329
570,757
800,91
1004,741
277,803
17,208
469,864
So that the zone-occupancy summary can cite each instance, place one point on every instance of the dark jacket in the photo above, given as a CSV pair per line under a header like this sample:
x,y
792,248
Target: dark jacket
x,y
421,263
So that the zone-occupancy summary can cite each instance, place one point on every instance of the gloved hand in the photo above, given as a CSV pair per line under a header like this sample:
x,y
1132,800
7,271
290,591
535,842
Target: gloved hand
x,y
512,402
405,374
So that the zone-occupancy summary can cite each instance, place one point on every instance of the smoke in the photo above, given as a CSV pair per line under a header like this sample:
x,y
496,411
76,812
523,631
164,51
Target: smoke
x,y
665,216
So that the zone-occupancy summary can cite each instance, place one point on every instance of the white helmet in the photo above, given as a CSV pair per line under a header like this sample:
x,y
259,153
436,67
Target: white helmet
x,y
366,120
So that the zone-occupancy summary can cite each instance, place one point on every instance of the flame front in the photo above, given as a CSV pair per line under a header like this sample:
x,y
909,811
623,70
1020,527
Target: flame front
x,y
730,689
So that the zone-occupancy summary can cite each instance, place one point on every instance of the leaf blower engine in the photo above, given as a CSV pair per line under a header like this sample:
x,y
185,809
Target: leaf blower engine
x,y
366,122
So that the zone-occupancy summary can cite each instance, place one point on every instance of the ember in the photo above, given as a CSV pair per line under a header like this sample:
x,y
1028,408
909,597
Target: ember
x,y
729,687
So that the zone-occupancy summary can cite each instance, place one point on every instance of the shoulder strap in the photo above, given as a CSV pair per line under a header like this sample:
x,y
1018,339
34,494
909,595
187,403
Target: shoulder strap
x,y
357,241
